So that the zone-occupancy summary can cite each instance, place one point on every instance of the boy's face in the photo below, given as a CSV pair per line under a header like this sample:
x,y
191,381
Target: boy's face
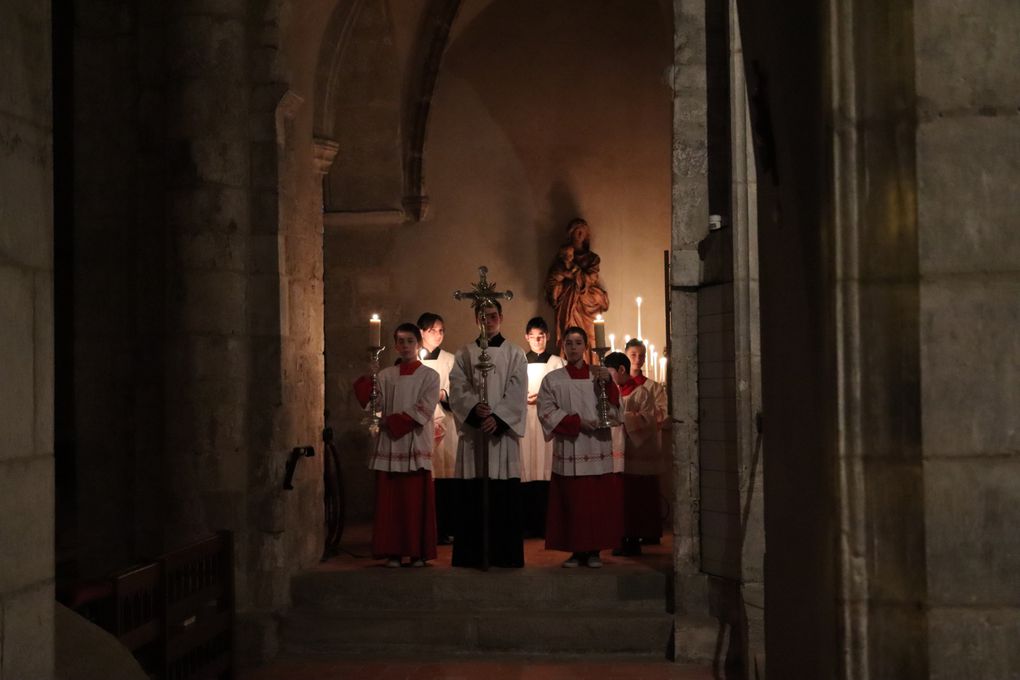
x,y
637,358
433,337
574,347
407,345
620,374
537,340
490,320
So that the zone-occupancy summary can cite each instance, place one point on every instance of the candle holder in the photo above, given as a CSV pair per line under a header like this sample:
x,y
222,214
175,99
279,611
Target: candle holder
x,y
603,421
374,417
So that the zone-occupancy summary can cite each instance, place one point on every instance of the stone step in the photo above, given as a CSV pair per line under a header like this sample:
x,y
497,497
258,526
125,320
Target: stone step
x,y
470,631
542,589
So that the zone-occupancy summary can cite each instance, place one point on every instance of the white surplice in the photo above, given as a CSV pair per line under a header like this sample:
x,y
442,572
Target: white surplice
x,y
444,457
536,449
506,389
416,395
640,431
588,453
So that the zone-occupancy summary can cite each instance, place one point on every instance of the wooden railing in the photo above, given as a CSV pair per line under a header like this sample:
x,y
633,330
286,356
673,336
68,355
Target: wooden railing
x,y
175,614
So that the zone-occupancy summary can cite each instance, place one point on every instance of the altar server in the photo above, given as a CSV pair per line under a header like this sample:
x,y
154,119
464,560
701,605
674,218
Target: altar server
x,y
635,351
498,427
444,458
638,429
536,449
585,512
405,515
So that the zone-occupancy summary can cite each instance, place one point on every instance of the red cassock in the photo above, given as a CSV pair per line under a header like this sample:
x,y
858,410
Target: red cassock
x,y
405,510
585,496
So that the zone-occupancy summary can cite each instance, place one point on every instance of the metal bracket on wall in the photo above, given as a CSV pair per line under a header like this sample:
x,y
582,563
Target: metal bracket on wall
x,y
296,454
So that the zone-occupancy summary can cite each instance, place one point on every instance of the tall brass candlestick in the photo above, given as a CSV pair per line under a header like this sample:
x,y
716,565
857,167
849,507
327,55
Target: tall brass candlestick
x,y
374,416
484,295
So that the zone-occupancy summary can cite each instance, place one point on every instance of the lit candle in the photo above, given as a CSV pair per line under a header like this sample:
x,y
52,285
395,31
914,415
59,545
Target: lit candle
x,y
422,353
375,331
612,342
600,331
662,369
652,366
626,339
638,318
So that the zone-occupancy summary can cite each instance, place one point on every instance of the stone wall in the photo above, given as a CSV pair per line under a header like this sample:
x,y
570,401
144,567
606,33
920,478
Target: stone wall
x,y
26,343
968,168
197,258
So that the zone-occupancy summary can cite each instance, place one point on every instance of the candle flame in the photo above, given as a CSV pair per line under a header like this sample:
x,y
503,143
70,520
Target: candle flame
x,y
422,353
599,319
375,317
638,299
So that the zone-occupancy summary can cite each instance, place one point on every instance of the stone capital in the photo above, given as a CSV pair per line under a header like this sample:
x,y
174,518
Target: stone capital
x,y
324,153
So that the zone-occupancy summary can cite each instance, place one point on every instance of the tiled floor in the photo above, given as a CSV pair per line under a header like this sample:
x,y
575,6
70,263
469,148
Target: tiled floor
x,y
479,669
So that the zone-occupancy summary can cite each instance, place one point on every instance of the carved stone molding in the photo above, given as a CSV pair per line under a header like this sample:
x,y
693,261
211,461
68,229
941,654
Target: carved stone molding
x,y
324,153
290,103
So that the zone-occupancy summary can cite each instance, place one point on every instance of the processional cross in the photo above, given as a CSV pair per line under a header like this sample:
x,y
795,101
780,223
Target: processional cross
x,y
484,295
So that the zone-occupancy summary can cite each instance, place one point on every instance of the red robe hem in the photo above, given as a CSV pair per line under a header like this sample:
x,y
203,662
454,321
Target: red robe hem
x,y
585,513
405,515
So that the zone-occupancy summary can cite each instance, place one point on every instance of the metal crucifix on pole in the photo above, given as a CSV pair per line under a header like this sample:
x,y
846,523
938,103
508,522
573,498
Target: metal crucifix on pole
x,y
483,295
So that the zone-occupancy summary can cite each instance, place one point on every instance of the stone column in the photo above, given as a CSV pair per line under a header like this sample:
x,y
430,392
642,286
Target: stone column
x,y
208,228
689,226
747,335
26,343
968,171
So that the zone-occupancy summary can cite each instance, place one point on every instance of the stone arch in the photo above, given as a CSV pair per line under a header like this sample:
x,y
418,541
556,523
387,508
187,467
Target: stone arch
x,y
431,45
358,105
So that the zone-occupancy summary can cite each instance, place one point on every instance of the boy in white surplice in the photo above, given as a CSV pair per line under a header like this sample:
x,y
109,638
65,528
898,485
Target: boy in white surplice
x,y
536,449
585,494
501,423
444,458
405,514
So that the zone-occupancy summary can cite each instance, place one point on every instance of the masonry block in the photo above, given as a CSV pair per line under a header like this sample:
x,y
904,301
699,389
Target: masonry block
x,y
973,547
970,378
967,642
203,46
26,201
222,161
977,158
214,302
214,251
26,521
25,50
209,208
967,54
17,397
27,639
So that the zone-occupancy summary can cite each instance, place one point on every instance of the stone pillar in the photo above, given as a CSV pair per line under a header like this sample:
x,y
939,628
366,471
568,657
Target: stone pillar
x,y
207,184
26,343
689,226
968,170
747,336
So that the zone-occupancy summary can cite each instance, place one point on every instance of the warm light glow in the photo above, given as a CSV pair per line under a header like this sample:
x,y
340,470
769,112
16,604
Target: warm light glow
x,y
612,342
638,299
374,331
626,339
600,331
422,353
